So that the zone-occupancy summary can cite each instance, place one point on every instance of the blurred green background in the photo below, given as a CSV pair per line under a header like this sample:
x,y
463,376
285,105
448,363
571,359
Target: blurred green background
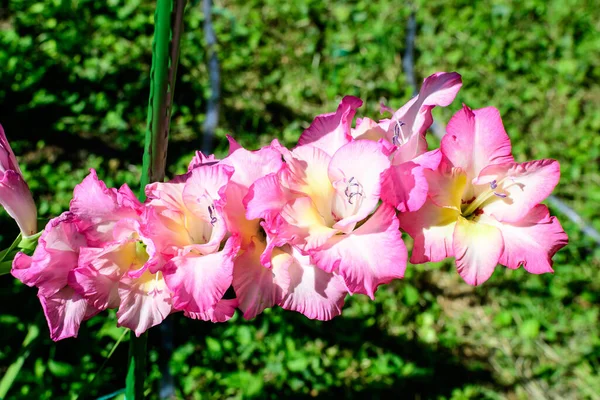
x,y
73,95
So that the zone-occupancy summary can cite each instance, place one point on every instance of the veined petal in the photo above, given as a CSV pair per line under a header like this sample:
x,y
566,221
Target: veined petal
x,y
447,187
252,165
355,171
307,174
331,131
532,241
404,186
523,185
414,118
145,302
477,247
54,257
476,139
98,273
205,187
304,225
64,311
197,281
223,311
200,159
256,286
371,255
311,291
367,129
266,195
98,208
432,228
16,199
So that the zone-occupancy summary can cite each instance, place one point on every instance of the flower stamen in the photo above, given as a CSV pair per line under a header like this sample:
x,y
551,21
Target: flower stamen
x,y
353,189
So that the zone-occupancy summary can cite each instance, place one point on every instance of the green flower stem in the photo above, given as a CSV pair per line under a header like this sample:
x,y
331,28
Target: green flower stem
x,y
165,57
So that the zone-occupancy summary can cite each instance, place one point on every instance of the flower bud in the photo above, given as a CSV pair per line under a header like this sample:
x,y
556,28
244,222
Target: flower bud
x,y
15,196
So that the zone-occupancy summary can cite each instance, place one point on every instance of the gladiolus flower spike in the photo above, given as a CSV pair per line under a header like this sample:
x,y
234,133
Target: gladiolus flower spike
x,y
298,228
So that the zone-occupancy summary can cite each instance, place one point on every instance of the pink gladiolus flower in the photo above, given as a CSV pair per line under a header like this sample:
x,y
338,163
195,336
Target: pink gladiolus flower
x,y
48,269
264,274
185,220
483,207
326,206
404,184
93,258
15,196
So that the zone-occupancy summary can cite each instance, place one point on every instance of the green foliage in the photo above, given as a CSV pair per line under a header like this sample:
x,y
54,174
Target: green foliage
x,y
74,86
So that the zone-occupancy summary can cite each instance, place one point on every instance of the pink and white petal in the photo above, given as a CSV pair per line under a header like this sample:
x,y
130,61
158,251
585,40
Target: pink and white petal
x,y
200,159
412,147
8,161
256,286
311,291
16,199
331,131
532,241
362,162
223,311
145,302
304,225
64,311
197,281
367,129
205,187
439,89
476,139
429,160
54,257
99,271
477,247
447,187
524,185
307,174
101,291
432,228
404,187
252,165
99,208
265,196
372,255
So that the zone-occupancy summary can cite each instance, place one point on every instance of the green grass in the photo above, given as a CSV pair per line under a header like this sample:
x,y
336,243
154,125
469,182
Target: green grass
x,y
73,95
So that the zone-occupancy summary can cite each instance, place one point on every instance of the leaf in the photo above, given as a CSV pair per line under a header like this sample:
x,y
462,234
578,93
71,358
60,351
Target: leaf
x,y
13,370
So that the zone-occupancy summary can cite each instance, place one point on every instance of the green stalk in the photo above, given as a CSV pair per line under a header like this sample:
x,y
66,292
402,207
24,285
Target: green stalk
x,y
165,58
168,26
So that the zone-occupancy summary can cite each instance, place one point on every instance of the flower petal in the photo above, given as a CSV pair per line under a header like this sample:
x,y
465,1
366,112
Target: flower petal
x,y
313,292
362,163
64,311
256,286
304,225
54,257
16,199
447,187
197,281
532,241
223,311
266,195
331,131
99,208
432,228
252,165
476,139
372,255
145,302
477,247
524,185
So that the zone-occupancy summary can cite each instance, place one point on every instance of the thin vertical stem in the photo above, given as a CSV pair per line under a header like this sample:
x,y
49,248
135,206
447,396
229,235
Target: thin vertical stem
x,y
136,372
168,26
